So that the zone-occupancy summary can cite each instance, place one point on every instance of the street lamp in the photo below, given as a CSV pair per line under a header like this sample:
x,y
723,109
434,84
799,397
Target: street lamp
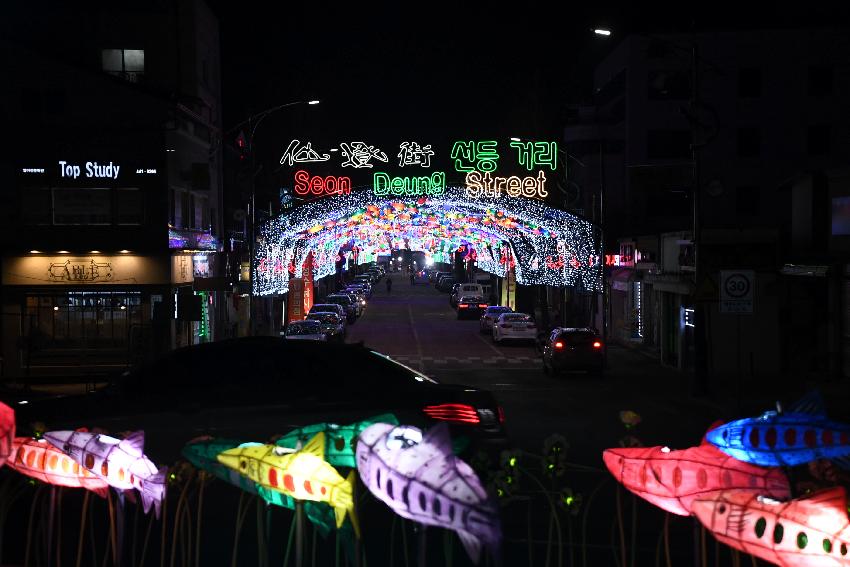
x,y
252,122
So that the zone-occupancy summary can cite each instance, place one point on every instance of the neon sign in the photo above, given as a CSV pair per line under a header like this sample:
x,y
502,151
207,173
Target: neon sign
x,y
432,185
411,154
330,185
301,154
360,154
486,185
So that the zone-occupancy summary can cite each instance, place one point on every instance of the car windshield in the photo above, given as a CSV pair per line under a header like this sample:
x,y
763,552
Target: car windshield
x,y
471,299
303,328
516,317
330,318
498,310
578,337
329,307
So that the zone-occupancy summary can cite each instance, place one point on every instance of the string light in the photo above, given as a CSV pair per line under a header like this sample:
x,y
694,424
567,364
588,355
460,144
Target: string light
x,y
544,245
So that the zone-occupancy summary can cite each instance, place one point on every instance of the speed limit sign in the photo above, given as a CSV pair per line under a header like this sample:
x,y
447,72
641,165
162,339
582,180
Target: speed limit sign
x,y
736,291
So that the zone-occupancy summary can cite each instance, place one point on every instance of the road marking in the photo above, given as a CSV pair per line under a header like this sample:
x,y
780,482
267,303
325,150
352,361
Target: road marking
x,y
494,349
415,338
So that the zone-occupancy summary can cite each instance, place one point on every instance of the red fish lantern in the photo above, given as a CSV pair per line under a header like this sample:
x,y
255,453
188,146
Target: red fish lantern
x,y
42,461
672,480
807,532
7,431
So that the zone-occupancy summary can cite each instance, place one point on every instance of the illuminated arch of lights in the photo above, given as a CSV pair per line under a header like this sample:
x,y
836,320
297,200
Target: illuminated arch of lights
x,y
542,244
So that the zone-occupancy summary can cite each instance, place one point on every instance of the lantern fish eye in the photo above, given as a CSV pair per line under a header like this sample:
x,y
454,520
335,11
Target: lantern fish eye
x,y
721,509
403,437
243,464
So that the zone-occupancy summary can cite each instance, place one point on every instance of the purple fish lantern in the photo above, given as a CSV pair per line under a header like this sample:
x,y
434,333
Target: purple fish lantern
x,y
120,462
7,431
419,477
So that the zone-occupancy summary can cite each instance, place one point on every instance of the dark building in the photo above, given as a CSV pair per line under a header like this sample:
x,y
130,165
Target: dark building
x,y
767,117
112,188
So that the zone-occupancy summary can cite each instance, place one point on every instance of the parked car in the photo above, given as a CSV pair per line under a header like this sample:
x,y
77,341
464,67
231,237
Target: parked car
x,y
347,304
333,325
489,316
254,388
306,330
365,287
355,301
574,348
359,293
464,289
515,327
433,277
471,306
333,308
445,284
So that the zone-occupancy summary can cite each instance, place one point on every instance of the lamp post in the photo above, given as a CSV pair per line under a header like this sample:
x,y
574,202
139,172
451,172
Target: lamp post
x,y
252,122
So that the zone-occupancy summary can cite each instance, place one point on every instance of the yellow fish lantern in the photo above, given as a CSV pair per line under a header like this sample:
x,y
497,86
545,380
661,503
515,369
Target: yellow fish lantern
x,y
302,474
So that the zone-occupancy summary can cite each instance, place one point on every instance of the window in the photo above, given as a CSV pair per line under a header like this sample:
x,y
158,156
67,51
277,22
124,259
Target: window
x,y
186,212
749,83
668,144
817,140
820,80
36,206
747,200
82,206
129,206
668,84
749,142
129,64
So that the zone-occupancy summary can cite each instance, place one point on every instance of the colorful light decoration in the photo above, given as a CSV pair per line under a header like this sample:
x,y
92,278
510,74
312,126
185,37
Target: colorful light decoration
x,y
120,462
340,440
38,459
203,453
807,532
7,431
303,475
672,480
506,233
800,436
420,479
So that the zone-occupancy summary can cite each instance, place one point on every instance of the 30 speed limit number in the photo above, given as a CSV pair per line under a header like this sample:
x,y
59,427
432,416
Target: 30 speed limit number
x,y
736,291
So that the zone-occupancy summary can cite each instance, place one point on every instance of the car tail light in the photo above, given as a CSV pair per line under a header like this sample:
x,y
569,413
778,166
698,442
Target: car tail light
x,y
461,413
501,414
559,345
597,344
463,305
482,306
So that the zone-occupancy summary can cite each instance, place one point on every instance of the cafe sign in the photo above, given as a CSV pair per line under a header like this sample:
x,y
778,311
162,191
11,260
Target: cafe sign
x,y
477,160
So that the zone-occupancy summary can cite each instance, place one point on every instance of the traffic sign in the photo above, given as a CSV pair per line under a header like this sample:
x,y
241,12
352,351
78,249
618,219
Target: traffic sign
x,y
736,291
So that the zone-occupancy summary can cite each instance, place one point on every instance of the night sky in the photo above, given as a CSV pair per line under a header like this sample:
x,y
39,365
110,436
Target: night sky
x,y
433,71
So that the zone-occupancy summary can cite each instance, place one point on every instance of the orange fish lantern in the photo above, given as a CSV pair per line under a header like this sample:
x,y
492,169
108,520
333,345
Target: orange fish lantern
x,y
42,461
672,480
806,532
7,431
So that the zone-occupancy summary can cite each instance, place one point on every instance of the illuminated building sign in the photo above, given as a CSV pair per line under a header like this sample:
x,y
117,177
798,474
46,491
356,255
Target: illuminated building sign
x,y
478,160
92,169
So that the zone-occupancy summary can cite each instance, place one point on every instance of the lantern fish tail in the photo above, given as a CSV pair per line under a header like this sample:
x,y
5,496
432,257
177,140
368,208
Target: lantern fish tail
x,y
153,491
346,504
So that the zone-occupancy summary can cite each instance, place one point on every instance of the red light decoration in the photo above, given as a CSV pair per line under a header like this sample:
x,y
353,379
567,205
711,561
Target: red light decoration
x,y
7,431
672,480
330,185
461,413
806,532
38,459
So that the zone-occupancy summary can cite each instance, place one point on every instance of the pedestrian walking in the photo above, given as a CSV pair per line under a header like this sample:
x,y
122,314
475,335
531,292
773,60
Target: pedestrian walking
x,y
389,284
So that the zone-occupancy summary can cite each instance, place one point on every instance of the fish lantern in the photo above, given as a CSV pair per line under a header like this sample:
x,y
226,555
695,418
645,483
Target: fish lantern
x,y
672,480
340,440
38,459
772,439
203,453
303,474
806,532
120,462
420,479
7,431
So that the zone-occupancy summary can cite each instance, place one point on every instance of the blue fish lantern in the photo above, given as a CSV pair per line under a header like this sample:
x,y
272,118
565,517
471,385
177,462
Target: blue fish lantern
x,y
775,439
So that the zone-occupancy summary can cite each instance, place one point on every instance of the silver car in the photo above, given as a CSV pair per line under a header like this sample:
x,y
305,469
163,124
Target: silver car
x,y
332,324
307,330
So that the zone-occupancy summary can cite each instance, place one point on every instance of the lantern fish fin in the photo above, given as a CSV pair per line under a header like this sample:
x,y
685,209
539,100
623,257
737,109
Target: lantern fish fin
x,y
134,443
153,491
712,427
812,404
471,544
440,438
316,445
248,444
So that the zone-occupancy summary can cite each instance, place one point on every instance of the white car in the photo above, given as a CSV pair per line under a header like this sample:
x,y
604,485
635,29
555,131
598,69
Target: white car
x,y
308,330
515,327
490,315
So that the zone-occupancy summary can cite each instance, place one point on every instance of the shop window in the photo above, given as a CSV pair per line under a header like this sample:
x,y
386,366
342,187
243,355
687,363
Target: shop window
x,y
128,64
36,206
817,140
129,206
82,206
749,83
749,142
